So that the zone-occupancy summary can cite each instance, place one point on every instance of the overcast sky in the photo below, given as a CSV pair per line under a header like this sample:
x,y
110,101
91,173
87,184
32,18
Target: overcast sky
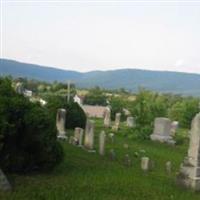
x,y
104,35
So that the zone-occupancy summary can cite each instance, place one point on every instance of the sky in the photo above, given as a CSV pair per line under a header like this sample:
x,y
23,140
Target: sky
x,y
102,35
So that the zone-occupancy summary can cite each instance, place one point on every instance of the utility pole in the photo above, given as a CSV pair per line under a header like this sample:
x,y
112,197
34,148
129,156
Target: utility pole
x,y
68,91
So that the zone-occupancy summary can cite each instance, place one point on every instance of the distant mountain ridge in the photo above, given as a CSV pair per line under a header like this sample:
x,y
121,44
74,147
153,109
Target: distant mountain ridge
x,y
130,79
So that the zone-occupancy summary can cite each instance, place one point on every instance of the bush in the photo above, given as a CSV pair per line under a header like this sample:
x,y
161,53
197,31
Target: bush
x,y
75,116
184,111
117,104
143,132
148,106
95,97
27,132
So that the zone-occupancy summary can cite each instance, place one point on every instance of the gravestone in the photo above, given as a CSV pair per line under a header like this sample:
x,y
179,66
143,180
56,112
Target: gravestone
x,y
102,140
189,175
127,160
174,127
60,123
145,163
162,128
71,140
89,135
78,135
107,118
19,88
4,183
168,167
126,146
117,121
130,122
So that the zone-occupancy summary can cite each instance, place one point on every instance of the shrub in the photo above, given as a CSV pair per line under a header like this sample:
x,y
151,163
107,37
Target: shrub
x,y
184,111
95,97
148,106
117,105
75,116
28,133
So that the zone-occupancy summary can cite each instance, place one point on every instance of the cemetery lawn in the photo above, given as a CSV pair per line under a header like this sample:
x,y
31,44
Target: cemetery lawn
x,y
89,176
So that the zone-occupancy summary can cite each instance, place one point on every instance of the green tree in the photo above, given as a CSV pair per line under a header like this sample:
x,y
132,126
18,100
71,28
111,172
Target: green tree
x,y
75,116
27,132
95,96
184,111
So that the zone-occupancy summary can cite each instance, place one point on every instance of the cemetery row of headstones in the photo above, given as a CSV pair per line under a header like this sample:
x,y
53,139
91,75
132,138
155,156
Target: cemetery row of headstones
x,y
164,131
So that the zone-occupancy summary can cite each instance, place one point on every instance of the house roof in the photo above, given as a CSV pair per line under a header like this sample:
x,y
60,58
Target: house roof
x,y
94,111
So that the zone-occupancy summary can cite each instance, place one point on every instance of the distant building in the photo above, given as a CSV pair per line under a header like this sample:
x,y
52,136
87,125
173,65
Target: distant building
x,y
27,93
43,102
94,111
78,99
19,88
126,112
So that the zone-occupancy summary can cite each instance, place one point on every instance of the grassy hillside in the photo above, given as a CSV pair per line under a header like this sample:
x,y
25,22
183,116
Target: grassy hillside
x,y
89,176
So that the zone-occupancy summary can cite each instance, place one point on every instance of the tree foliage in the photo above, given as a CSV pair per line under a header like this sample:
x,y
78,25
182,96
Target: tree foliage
x,y
95,96
27,132
184,111
75,116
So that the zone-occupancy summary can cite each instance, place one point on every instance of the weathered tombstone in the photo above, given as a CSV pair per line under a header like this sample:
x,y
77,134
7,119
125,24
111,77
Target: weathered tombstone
x,y
71,140
126,146
127,160
168,166
130,122
189,175
60,123
112,155
126,112
4,183
117,121
102,140
89,135
145,163
78,135
19,88
174,127
107,118
161,133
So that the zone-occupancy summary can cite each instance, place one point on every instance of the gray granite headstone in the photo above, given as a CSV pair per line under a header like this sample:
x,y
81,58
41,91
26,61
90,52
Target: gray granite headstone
x,y
145,163
117,121
102,140
4,183
162,128
89,135
189,175
60,123
130,122
78,135
107,118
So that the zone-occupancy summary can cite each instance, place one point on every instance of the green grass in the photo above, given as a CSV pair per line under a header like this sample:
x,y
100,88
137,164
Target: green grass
x,y
89,176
